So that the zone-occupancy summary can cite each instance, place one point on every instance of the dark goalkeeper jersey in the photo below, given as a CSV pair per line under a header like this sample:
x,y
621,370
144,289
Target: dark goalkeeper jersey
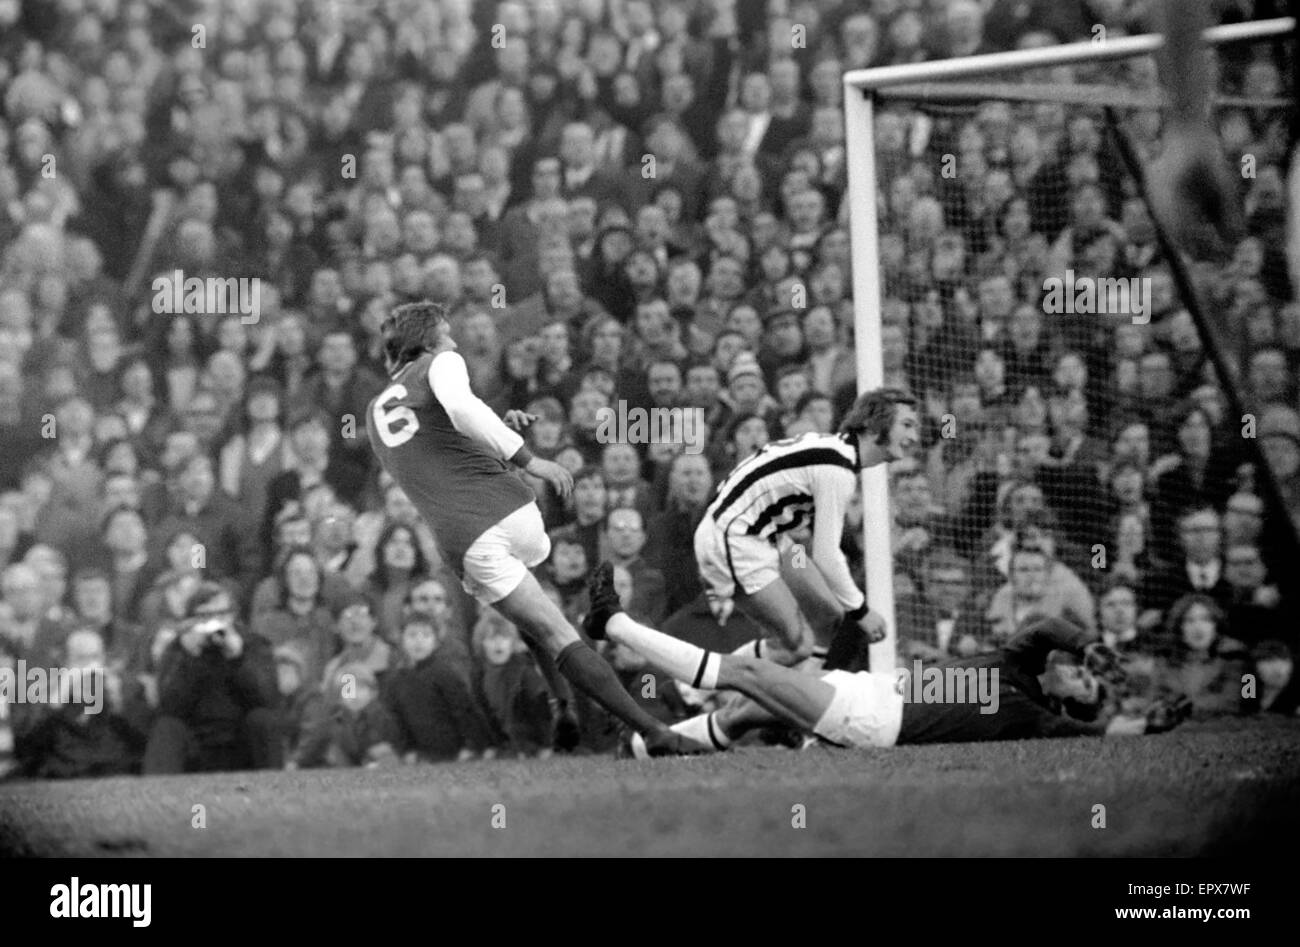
x,y
1023,711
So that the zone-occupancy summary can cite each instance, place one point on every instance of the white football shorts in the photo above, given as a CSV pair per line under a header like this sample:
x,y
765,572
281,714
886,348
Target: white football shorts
x,y
498,560
866,711
731,560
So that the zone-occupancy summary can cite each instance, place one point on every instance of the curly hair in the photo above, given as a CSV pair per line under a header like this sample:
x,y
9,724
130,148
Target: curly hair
x,y
409,330
874,413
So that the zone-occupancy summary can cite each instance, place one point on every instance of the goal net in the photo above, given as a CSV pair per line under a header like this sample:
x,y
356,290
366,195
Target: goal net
x,y
1088,389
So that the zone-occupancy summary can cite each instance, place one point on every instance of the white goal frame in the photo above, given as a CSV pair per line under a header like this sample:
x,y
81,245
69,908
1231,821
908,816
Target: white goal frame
x,y
859,113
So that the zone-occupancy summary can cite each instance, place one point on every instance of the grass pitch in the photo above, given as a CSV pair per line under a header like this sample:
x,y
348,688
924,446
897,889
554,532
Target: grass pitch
x,y
1227,790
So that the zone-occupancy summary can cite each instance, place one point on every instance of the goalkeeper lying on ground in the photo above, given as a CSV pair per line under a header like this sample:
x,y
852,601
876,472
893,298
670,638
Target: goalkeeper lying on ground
x,y
1041,670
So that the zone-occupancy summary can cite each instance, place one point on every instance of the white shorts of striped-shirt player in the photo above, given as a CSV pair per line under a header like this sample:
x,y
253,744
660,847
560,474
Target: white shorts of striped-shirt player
x,y
733,560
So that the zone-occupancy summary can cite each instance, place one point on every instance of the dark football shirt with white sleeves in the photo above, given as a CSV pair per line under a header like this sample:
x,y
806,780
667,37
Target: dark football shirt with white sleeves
x,y
447,450
783,485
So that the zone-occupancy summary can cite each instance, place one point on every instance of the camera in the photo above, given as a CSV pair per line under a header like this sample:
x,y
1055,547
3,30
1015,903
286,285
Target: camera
x,y
214,629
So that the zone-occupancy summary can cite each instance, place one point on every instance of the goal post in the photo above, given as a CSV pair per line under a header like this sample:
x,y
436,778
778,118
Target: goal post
x,y
957,83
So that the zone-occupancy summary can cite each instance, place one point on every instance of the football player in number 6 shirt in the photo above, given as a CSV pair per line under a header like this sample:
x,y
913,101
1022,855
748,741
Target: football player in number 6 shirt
x,y
453,457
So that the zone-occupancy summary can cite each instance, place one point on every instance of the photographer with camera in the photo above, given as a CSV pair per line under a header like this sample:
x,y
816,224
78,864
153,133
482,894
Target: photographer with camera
x,y
217,694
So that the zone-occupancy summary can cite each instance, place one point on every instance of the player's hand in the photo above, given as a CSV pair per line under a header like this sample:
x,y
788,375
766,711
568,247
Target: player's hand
x,y
231,644
1149,619
1267,596
557,476
1167,714
518,420
193,641
1194,193
721,609
914,539
873,626
149,684
1101,659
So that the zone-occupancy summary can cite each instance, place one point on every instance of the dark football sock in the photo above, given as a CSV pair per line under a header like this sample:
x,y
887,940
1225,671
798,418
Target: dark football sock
x,y
559,687
848,650
592,674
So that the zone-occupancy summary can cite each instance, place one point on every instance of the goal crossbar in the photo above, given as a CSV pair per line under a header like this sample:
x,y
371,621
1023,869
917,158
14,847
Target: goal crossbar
x,y
1075,93
1066,54
861,87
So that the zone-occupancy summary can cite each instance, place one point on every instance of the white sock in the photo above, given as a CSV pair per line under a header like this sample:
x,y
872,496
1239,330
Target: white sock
x,y
704,730
758,648
762,648
683,661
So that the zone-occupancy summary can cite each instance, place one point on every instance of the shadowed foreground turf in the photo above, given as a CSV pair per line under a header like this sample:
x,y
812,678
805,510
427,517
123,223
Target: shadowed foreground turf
x,y
1185,793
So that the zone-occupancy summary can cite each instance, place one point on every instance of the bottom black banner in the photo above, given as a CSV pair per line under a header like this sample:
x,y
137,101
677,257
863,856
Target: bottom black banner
x,y
225,896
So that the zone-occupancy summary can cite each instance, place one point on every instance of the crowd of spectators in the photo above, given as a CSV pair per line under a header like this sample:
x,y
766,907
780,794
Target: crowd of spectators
x,y
617,201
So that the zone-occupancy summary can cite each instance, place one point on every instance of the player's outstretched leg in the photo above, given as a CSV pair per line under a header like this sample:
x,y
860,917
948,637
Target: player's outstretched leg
x,y
539,617
568,731
815,607
718,729
799,699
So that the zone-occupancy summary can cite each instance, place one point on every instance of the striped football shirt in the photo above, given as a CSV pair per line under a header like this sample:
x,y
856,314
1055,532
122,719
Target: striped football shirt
x,y
789,483
776,489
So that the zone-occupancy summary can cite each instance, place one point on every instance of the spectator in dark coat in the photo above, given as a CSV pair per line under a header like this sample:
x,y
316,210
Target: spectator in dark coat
x,y
671,546
217,695
87,732
302,698
1198,569
512,687
227,536
343,389
436,716
313,463
302,616
941,619
352,728
1201,662
1198,474
430,600
626,538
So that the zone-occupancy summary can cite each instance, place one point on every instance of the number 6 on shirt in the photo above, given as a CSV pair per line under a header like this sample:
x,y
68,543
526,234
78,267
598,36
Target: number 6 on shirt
x,y
386,418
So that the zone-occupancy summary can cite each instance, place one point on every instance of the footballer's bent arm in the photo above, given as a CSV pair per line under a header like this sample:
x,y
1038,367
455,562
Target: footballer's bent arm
x,y
449,379
1032,646
833,489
